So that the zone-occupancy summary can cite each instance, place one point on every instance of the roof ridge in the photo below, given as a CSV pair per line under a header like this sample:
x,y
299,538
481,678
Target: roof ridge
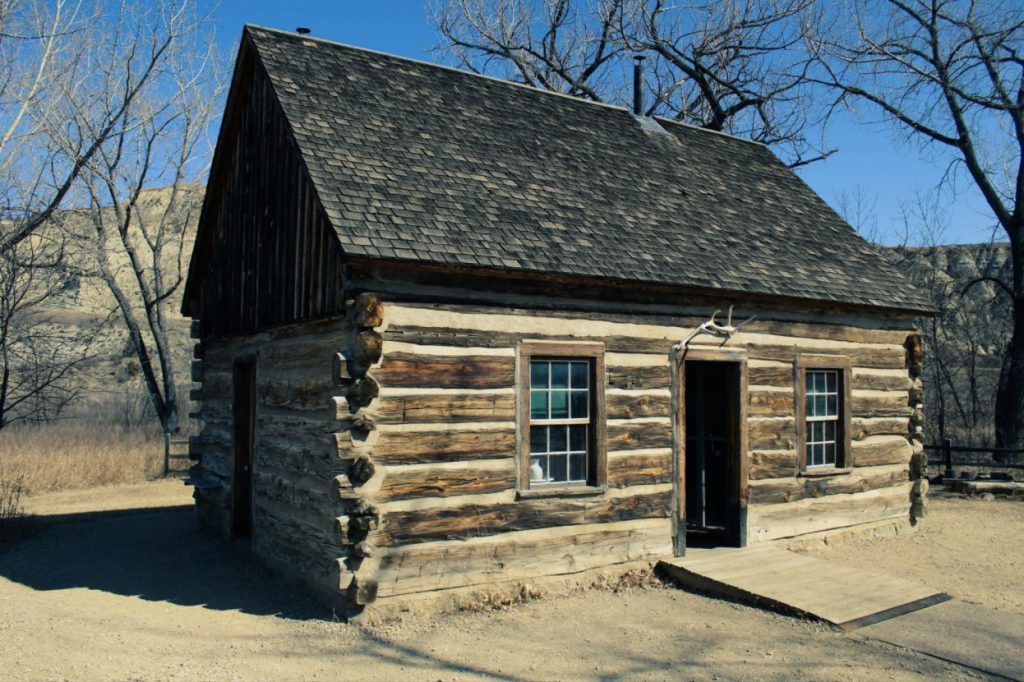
x,y
922,247
470,74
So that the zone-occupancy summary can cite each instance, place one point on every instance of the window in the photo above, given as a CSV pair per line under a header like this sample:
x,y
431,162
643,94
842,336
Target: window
x,y
559,420
823,413
562,415
821,388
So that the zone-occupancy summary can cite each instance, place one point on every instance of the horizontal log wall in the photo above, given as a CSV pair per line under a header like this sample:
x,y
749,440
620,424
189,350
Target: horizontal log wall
x,y
299,479
521,556
389,469
448,398
445,452
811,515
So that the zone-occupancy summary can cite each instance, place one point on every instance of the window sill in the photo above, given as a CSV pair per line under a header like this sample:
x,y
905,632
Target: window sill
x,y
819,473
561,491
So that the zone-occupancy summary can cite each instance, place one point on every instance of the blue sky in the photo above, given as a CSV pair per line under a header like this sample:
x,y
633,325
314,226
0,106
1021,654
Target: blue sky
x,y
890,172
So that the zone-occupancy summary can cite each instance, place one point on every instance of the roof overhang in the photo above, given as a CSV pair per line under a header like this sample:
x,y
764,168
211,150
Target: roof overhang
x,y
364,272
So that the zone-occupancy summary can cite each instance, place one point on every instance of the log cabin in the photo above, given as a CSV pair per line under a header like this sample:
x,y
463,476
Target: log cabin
x,y
448,335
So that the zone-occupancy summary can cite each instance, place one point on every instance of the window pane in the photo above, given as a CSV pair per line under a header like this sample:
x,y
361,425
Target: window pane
x,y
580,404
538,374
558,470
539,438
560,390
535,475
559,375
578,438
577,467
559,404
538,404
580,372
822,404
559,438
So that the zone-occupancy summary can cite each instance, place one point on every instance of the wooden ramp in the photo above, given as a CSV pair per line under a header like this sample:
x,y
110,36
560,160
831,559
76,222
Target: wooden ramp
x,y
781,580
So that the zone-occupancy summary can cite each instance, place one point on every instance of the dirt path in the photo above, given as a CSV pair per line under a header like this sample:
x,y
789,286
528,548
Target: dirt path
x,y
155,494
144,595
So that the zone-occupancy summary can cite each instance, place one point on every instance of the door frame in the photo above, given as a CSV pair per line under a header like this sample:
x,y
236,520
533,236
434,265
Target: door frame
x,y
738,357
243,380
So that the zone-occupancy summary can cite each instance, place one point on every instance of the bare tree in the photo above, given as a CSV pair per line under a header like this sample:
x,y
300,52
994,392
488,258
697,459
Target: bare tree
x,y
69,71
949,74
965,339
99,101
37,362
161,142
733,65
858,207
730,65
556,45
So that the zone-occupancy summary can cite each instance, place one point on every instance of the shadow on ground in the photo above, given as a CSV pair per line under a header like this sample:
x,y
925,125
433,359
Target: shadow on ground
x,y
160,555
155,554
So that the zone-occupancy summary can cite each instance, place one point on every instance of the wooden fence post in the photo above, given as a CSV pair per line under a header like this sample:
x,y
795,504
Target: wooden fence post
x,y
947,455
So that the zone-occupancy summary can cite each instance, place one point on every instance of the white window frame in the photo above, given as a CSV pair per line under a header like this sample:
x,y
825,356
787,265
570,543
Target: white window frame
x,y
844,456
823,419
596,467
569,421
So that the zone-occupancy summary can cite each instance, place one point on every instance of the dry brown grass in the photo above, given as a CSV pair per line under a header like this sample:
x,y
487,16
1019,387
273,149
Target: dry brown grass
x,y
78,454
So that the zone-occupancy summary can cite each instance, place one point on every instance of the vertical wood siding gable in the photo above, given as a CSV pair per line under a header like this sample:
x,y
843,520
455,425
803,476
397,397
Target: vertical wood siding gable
x,y
273,257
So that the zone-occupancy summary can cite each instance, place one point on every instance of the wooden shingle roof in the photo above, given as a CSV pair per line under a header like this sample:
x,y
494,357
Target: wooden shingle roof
x,y
418,162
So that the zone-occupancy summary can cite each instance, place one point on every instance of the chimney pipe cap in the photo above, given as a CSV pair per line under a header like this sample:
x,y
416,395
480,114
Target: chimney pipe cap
x,y
302,31
639,58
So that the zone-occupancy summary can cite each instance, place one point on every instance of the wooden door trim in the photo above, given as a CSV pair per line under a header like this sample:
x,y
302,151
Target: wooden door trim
x,y
738,357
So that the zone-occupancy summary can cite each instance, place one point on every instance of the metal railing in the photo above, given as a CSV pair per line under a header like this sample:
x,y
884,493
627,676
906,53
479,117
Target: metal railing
x,y
947,449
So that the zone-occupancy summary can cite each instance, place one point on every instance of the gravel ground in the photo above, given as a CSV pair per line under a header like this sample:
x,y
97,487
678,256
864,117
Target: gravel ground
x,y
142,595
967,547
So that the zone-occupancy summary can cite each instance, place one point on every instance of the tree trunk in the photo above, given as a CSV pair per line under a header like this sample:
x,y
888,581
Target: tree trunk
x,y
1009,412
170,420
1010,396
166,412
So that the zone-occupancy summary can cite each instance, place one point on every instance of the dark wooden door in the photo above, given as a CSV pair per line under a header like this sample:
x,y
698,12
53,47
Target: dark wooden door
x,y
244,420
712,453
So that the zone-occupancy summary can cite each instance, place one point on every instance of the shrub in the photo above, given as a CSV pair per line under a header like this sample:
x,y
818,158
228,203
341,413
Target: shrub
x,y
12,513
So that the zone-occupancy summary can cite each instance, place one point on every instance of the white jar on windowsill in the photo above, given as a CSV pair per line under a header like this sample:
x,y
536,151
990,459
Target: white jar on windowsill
x,y
536,473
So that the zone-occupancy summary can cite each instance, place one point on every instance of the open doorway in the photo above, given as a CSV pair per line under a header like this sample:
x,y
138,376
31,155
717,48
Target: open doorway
x,y
712,467
244,413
